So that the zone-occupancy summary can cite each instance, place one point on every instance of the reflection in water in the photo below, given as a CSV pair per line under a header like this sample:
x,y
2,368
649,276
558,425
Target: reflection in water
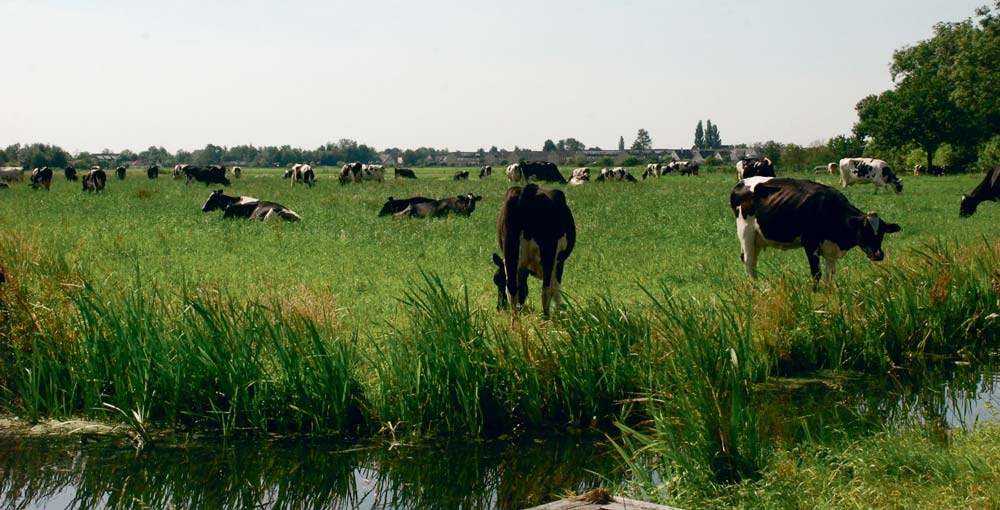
x,y
44,473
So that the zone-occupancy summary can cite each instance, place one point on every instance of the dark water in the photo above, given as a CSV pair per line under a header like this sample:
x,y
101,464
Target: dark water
x,y
47,473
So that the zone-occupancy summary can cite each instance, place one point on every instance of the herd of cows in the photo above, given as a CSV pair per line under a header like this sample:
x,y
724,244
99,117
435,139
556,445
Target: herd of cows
x,y
536,232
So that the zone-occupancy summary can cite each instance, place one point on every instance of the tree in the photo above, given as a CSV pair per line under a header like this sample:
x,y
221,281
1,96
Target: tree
x,y
642,141
842,146
712,138
621,143
570,145
549,146
699,136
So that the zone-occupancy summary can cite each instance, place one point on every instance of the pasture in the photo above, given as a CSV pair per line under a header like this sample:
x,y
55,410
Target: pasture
x,y
346,263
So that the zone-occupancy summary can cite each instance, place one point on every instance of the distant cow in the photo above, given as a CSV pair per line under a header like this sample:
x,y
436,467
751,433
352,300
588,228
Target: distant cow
x,y
179,170
536,234
11,173
237,172
153,172
791,213
754,167
689,167
615,174
41,178
988,189
358,172
303,173
120,173
95,179
653,170
485,172
462,205
70,173
403,173
580,176
462,175
933,170
247,207
539,170
875,171
210,175
393,206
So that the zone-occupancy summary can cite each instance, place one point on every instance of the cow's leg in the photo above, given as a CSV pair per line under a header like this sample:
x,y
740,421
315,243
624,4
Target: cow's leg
x,y
550,288
812,253
750,246
831,266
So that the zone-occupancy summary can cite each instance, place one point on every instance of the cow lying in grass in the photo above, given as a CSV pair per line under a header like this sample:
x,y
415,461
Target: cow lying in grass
x,y
247,207
462,205
393,206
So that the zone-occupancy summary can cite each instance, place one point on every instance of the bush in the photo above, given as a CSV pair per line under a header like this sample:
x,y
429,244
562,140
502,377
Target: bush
x,y
630,161
989,154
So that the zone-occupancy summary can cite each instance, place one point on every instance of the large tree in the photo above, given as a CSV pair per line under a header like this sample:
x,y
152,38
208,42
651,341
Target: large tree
x,y
699,136
712,138
549,146
642,141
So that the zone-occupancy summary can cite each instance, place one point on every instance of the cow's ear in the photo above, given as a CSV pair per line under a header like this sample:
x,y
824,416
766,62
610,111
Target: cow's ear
x,y
892,227
390,199
497,260
479,197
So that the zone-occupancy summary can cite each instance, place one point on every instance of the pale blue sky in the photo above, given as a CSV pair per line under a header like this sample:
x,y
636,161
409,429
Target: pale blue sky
x,y
441,73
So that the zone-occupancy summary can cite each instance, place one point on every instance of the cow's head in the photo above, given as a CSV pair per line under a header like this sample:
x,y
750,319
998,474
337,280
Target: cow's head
x,y
892,179
216,201
390,207
967,207
500,280
870,229
469,202
288,174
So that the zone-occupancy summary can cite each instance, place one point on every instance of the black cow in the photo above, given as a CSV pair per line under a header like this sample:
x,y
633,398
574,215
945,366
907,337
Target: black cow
x,y
462,175
393,206
462,205
485,172
791,213
536,233
95,179
153,172
70,173
41,178
404,173
120,172
754,167
988,189
211,175
237,172
539,170
247,207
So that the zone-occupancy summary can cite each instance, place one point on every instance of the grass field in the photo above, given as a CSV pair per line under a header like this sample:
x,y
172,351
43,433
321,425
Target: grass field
x,y
675,231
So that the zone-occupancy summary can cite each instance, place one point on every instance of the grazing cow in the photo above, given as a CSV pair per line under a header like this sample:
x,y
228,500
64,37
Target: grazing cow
x,y
615,174
791,213
580,176
462,175
358,172
70,173
540,170
486,171
11,173
120,173
179,170
247,207
211,175
303,173
933,170
41,177
95,179
403,173
653,170
153,172
393,206
237,172
536,233
876,171
754,167
988,189
689,168
462,205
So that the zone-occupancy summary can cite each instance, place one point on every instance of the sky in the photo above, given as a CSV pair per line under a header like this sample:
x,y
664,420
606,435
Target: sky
x,y
462,75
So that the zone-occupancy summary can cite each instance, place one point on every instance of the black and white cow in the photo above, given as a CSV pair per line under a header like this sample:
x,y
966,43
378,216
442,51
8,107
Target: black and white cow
x,y
41,178
120,173
358,172
393,206
237,172
70,173
536,233
539,170
988,189
95,179
933,170
302,173
875,171
462,175
792,213
485,172
403,173
754,167
153,172
11,173
211,175
179,170
580,176
462,205
689,167
247,207
615,174
654,170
